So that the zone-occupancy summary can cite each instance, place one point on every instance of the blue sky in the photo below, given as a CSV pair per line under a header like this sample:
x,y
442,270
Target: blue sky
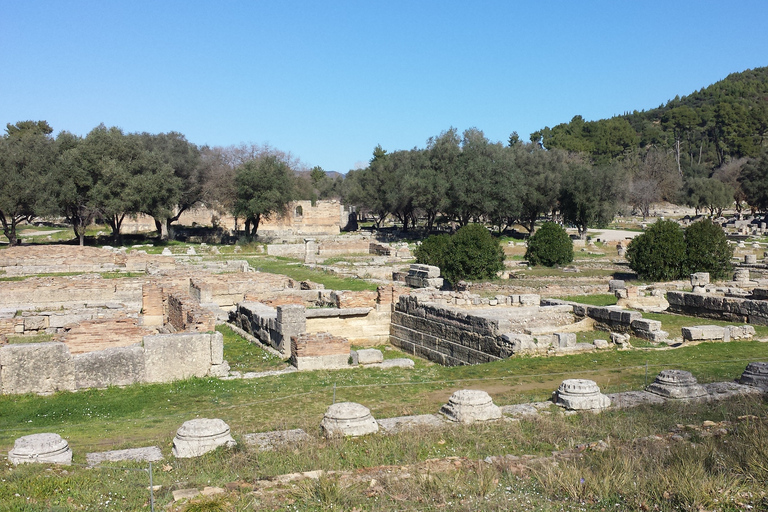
x,y
328,81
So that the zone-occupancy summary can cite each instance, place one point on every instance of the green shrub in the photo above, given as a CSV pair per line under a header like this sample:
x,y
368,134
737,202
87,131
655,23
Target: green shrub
x,y
659,253
549,246
471,253
707,250
433,250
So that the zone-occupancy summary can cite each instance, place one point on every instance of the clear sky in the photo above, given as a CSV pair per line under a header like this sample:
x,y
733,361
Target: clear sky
x,y
328,81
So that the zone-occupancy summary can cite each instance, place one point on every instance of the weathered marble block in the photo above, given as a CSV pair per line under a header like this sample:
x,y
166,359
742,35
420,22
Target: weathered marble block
x,y
676,384
706,333
149,453
348,419
581,395
43,448
700,279
369,356
200,436
470,406
756,374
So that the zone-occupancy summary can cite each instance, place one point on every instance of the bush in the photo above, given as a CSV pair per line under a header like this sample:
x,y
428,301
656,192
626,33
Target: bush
x,y
471,253
707,250
659,253
433,250
549,246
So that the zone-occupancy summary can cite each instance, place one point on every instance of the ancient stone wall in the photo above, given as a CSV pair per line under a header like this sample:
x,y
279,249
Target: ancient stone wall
x,y
730,309
319,351
616,319
361,326
70,292
453,336
226,290
186,314
299,218
50,367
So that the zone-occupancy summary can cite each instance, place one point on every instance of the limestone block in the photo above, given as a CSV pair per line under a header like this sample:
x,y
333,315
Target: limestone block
x,y
400,362
529,299
200,436
35,323
741,332
117,366
36,368
700,279
620,339
750,259
756,374
219,370
348,419
616,284
705,332
565,339
677,384
147,454
646,325
170,357
166,252
405,423
470,406
429,270
601,343
217,348
43,448
267,441
581,394
369,356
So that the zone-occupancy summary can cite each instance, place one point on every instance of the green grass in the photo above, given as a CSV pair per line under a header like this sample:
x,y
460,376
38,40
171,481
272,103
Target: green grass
x,y
36,338
296,270
244,356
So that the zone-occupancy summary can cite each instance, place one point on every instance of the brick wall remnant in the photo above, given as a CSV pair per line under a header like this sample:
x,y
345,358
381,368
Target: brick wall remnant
x,y
319,351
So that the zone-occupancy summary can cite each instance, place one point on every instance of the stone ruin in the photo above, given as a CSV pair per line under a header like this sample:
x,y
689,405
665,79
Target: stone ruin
x,y
677,385
581,395
348,419
470,406
44,448
756,374
200,436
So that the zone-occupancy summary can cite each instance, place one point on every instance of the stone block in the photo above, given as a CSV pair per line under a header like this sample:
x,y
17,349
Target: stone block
x,y
750,259
620,339
267,441
118,366
36,368
147,454
169,357
369,356
646,325
616,284
217,348
705,333
741,332
41,448
581,394
565,339
601,343
200,436
470,406
400,362
529,299
348,419
219,370
700,279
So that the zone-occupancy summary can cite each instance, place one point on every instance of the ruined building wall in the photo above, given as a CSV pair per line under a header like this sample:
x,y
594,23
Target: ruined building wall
x,y
730,309
451,336
49,367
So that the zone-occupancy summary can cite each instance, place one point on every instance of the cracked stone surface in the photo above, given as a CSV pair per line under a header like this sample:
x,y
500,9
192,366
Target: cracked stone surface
x,y
270,440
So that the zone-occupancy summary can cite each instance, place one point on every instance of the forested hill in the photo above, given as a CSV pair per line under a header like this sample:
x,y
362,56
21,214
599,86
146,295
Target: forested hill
x,y
724,121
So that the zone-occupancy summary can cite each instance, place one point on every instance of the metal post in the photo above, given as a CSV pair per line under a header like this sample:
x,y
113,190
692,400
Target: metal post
x,y
151,490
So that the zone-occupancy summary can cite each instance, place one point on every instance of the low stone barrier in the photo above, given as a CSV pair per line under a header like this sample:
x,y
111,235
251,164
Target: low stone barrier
x,y
729,309
50,367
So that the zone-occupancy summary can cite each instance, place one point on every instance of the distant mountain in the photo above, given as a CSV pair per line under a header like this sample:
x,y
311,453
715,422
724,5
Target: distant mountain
x,y
707,128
